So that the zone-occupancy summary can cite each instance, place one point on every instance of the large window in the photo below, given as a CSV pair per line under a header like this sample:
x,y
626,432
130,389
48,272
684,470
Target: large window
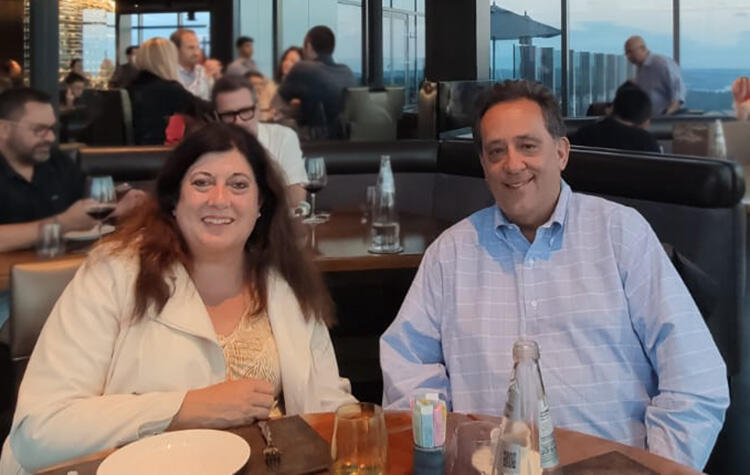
x,y
713,50
404,45
343,17
256,21
598,31
137,28
525,41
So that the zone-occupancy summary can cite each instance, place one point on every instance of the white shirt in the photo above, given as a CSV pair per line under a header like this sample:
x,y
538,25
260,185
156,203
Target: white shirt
x,y
283,146
197,81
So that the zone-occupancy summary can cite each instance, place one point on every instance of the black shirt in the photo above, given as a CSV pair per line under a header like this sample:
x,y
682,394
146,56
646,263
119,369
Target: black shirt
x,y
609,133
320,85
56,184
154,100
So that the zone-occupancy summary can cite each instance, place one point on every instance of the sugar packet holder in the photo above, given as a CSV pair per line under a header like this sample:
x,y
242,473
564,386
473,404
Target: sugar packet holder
x,y
429,419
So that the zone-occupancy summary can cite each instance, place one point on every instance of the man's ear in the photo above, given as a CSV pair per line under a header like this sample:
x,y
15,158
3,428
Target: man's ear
x,y
563,152
4,130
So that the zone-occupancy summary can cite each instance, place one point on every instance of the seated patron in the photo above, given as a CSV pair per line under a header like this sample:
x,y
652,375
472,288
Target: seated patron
x,y
200,312
235,102
37,182
75,85
155,94
125,73
626,128
625,353
318,83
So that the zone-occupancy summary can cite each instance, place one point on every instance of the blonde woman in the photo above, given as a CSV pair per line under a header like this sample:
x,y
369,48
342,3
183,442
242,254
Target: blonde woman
x,y
155,94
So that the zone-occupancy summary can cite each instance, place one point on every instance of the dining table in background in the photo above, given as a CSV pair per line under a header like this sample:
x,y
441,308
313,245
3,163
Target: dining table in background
x,y
572,447
340,245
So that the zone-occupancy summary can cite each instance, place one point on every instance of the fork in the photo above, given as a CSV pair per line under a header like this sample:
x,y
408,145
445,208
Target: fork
x,y
271,454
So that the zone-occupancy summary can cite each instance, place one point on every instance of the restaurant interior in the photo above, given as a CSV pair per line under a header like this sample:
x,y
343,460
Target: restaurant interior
x,y
419,66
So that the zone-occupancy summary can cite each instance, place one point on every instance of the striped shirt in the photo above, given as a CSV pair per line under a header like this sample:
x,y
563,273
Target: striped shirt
x,y
625,354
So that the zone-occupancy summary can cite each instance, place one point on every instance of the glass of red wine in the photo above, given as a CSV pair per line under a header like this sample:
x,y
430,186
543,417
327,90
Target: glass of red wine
x,y
317,179
104,199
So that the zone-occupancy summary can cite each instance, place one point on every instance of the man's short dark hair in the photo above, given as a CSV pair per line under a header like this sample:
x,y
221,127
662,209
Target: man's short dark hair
x,y
322,39
130,49
13,101
513,89
242,40
74,77
178,34
231,83
254,74
632,104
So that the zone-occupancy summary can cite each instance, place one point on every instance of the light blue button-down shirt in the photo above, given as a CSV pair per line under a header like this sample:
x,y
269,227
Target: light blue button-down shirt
x,y
625,354
661,78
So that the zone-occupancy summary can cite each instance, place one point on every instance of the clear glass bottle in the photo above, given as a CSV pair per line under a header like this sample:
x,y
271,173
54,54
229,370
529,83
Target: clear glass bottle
x,y
385,228
528,444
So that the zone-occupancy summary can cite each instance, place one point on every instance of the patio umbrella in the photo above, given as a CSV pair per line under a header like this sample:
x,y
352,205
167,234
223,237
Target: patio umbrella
x,y
507,25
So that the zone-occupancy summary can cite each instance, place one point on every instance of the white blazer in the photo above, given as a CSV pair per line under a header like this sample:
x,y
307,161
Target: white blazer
x,y
96,381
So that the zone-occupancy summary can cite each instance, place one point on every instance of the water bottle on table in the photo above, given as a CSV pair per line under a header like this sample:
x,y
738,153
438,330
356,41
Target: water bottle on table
x,y
385,228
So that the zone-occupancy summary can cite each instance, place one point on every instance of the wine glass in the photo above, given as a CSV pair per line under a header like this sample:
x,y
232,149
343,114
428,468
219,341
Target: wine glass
x,y
102,192
360,440
317,179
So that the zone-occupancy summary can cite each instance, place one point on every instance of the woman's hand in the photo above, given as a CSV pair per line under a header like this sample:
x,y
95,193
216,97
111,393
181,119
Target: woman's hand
x,y
227,404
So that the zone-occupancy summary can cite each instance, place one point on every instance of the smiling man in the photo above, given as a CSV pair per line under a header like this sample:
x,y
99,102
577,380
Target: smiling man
x,y
625,353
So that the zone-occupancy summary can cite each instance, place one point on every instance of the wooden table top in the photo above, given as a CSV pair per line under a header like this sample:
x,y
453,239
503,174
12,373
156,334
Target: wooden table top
x,y
341,245
572,447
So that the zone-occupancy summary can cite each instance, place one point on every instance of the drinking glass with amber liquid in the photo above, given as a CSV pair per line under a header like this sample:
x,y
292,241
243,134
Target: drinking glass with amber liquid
x,y
360,440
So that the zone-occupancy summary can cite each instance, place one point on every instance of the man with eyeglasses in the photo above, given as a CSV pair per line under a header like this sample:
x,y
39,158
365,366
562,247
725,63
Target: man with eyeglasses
x,y
235,102
37,182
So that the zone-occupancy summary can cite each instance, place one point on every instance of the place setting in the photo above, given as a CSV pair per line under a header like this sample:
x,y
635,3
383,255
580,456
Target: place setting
x,y
286,445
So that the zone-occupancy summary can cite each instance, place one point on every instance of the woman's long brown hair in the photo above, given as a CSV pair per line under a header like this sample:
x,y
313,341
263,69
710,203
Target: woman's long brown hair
x,y
153,233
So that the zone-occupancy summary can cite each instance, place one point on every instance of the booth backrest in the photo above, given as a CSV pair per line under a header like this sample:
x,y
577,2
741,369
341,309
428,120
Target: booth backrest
x,y
692,203
132,164
353,166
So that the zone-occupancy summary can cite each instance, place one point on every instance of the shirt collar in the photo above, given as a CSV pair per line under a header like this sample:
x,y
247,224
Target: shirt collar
x,y
648,60
557,219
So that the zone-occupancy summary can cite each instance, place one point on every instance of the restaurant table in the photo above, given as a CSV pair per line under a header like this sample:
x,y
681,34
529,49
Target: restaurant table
x,y
572,447
340,245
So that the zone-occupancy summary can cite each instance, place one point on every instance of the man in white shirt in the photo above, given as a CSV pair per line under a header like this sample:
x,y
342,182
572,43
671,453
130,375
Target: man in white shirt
x,y
191,74
235,102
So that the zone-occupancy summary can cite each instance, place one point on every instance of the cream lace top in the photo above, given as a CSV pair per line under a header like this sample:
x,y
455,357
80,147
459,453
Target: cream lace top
x,y
250,352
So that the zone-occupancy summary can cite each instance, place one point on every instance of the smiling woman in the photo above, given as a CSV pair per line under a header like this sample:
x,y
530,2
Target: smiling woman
x,y
201,312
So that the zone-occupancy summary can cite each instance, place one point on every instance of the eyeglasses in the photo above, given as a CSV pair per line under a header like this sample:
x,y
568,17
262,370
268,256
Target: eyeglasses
x,y
230,117
39,130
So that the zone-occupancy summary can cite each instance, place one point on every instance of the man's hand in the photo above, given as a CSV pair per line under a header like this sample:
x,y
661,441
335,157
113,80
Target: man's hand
x,y
75,218
131,199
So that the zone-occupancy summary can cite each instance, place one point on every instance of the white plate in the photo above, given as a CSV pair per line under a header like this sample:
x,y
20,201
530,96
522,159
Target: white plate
x,y
89,234
185,452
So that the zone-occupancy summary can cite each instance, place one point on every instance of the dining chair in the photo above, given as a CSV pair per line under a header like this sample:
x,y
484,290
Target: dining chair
x,y
34,289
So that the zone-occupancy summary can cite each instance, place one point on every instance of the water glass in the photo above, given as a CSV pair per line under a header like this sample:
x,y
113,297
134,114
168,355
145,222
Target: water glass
x,y
472,448
360,440
50,243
